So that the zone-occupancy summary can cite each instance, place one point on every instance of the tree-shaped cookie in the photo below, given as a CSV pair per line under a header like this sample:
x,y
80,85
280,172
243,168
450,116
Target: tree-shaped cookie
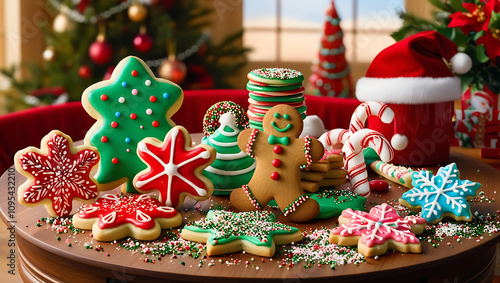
x,y
255,232
129,107
232,167
175,168
443,195
57,174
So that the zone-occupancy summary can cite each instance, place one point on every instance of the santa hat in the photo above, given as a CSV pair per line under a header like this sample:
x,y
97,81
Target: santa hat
x,y
412,71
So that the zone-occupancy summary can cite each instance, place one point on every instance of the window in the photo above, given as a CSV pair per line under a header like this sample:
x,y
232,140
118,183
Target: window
x,y
290,30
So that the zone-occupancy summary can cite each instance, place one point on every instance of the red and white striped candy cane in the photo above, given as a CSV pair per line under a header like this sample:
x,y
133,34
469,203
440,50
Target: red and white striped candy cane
x,y
355,161
367,109
333,137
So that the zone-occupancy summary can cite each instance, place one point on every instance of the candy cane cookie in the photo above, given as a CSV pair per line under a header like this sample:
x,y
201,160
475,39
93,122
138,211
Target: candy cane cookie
x,y
397,174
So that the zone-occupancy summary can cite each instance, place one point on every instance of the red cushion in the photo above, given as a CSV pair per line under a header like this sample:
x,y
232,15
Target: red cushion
x,y
26,128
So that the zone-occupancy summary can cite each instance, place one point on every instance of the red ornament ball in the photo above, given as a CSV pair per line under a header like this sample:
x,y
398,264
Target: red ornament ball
x,y
101,52
84,72
108,73
173,70
143,43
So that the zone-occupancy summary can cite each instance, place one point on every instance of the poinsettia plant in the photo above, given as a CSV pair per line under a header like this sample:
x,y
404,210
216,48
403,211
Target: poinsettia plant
x,y
474,25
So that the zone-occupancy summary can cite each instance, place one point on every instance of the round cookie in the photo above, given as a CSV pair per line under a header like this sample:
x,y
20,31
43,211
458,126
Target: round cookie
x,y
279,154
211,120
276,76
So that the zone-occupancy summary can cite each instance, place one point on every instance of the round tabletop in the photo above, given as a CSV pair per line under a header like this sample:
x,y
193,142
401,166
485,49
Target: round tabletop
x,y
45,258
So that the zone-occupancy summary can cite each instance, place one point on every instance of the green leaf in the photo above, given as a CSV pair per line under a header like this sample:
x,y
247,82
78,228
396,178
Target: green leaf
x,y
495,21
457,6
440,5
478,35
481,54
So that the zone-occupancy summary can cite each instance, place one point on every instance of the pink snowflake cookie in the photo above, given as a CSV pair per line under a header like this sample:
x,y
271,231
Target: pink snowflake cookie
x,y
57,173
115,217
377,231
175,168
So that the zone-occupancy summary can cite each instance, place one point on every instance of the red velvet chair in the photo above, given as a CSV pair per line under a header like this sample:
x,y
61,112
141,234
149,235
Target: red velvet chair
x,y
26,128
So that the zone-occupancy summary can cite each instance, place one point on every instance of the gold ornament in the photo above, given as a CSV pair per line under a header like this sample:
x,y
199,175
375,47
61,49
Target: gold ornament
x,y
173,70
62,23
49,54
137,12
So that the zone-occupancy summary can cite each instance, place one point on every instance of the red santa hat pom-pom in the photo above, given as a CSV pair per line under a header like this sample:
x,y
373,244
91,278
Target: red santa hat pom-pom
x,y
460,63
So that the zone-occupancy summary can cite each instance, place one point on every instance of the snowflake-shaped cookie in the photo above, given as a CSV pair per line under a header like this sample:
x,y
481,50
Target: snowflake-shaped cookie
x,y
441,195
139,216
175,168
376,232
255,232
57,173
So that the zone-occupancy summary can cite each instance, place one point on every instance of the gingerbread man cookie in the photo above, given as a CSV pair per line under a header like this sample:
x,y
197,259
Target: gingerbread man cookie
x,y
279,155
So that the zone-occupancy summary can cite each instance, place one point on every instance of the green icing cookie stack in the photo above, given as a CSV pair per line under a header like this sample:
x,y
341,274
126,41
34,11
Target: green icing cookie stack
x,y
232,168
271,86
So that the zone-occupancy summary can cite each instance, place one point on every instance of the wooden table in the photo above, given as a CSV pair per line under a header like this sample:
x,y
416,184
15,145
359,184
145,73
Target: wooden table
x,y
43,258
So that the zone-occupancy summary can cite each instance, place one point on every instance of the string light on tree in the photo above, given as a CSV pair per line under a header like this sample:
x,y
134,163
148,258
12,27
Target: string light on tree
x,y
49,54
62,23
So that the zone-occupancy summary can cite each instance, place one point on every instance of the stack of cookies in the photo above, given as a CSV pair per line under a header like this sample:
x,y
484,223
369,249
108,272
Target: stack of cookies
x,y
271,86
327,172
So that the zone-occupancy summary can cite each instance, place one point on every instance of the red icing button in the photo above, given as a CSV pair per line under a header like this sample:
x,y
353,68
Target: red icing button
x,y
114,160
155,123
133,116
378,186
276,163
134,73
278,149
104,139
114,124
152,98
104,97
275,176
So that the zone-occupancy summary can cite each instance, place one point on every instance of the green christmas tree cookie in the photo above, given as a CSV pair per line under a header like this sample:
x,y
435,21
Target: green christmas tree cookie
x,y
232,167
129,107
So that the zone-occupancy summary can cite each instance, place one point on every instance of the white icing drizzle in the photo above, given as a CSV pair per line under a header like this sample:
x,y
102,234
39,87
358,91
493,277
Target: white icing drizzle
x,y
109,218
141,216
230,156
230,172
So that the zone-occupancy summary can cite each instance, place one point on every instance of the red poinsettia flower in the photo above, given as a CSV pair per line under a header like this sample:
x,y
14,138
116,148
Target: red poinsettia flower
x,y
477,18
491,41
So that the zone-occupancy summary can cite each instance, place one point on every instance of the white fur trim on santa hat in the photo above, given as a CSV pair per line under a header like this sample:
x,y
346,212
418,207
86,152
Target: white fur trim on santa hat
x,y
408,90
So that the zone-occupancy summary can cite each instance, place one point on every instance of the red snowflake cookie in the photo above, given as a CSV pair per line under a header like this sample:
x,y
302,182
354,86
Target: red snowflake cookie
x,y
139,216
377,231
175,168
57,173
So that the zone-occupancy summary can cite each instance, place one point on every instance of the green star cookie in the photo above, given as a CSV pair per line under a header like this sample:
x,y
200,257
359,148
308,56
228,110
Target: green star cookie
x,y
254,232
129,107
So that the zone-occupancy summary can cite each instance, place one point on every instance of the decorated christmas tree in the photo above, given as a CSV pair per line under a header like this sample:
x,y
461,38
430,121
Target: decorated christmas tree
x,y
232,167
331,74
88,38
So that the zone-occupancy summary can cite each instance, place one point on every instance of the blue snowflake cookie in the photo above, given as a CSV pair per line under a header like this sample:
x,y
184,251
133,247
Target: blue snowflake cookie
x,y
442,195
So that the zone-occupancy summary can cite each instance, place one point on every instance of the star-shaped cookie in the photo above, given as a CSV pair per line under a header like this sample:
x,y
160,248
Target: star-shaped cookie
x,y
115,217
255,232
376,232
129,107
443,195
58,173
175,168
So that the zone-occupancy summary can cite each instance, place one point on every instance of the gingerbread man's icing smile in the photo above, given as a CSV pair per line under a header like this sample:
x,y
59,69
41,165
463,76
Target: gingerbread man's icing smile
x,y
276,127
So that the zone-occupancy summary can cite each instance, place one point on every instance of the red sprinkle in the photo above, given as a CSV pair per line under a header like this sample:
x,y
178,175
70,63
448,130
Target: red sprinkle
x,y
278,149
114,124
104,139
155,123
134,73
133,116
275,176
114,160
276,163
152,98
104,97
